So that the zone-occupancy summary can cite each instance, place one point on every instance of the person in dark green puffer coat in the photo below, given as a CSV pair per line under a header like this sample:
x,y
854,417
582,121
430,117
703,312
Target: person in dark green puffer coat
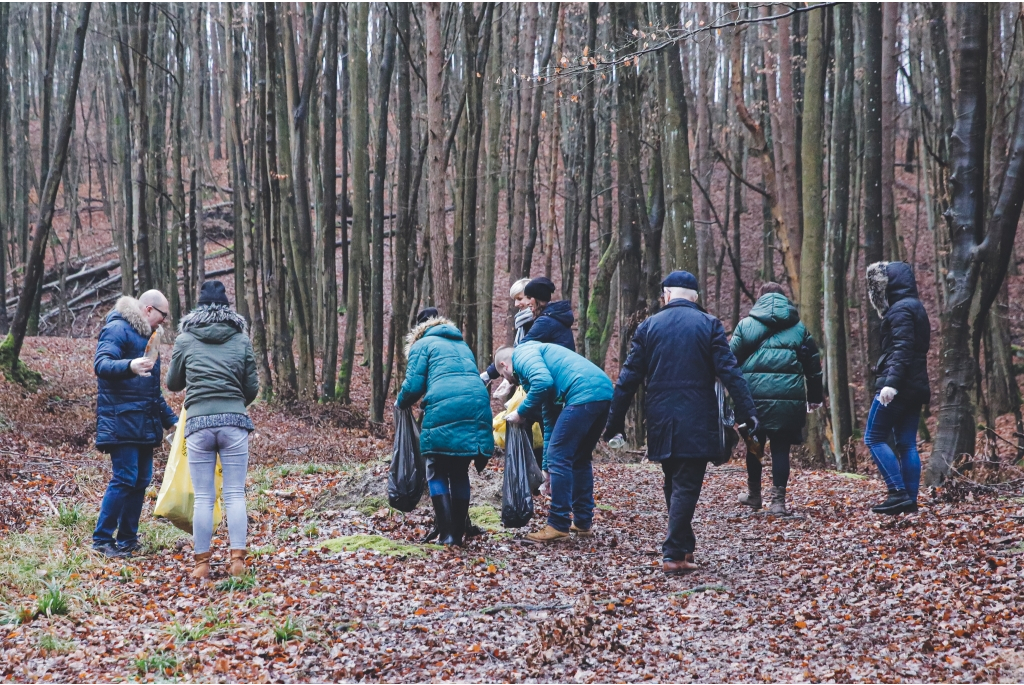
x,y
456,426
780,361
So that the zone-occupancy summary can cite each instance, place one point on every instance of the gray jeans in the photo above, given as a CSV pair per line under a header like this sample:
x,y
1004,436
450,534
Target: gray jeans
x,y
203,446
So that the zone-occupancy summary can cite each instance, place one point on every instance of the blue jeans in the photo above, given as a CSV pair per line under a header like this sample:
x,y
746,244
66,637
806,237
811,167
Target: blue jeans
x,y
570,467
122,503
448,476
900,469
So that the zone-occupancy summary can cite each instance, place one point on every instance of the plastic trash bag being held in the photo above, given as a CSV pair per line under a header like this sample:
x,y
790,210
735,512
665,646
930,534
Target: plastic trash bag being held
x,y
516,497
408,474
177,498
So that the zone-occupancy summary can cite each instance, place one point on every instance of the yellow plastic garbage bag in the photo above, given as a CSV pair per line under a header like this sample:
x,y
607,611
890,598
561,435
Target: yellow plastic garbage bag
x,y
176,498
498,423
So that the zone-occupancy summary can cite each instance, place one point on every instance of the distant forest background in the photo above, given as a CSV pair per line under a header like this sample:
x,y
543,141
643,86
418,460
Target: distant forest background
x,y
341,165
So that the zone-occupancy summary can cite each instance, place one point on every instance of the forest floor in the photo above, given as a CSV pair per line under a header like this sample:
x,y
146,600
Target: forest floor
x,y
833,593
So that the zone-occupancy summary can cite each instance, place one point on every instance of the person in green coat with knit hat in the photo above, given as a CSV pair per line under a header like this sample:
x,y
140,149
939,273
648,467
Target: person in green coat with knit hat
x,y
782,366
456,428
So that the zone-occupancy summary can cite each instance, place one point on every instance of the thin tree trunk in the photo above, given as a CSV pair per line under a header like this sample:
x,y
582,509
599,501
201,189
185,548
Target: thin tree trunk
x,y
404,234
440,265
586,199
10,349
890,60
871,219
6,196
329,212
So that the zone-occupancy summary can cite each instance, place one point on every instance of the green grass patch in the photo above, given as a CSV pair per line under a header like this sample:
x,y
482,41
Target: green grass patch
x,y
379,544
68,515
264,551
157,535
604,507
372,504
487,517
702,588
53,601
162,663
851,476
246,581
54,548
289,630
54,644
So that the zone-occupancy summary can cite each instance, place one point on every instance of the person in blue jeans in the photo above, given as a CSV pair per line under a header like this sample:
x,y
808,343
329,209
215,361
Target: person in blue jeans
x,y
131,416
901,381
572,395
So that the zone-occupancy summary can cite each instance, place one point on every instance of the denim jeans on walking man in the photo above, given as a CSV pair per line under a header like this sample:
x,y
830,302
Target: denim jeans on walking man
x,y
896,422
122,503
570,452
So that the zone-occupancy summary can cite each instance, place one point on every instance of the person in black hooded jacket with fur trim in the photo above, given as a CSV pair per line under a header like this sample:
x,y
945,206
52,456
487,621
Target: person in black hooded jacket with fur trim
x,y
901,383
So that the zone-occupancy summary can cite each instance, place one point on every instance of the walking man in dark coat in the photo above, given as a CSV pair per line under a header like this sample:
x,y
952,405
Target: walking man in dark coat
x,y
131,416
677,354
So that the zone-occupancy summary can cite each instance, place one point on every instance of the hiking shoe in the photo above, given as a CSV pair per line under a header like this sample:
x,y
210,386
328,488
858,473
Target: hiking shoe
x,y
129,549
778,505
581,532
751,499
110,551
678,567
546,534
898,502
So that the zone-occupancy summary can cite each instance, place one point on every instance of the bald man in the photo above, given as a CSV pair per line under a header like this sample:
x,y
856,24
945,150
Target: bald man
x,y
131,416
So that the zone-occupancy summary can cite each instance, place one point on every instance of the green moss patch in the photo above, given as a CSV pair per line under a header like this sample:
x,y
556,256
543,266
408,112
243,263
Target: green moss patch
x,y
487,517
852,476
377,543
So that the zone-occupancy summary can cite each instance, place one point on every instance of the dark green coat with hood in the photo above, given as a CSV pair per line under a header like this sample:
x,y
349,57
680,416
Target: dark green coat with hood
x,y
213,362
456,407
778,357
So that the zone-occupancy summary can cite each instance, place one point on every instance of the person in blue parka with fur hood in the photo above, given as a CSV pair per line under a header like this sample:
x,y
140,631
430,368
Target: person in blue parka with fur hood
x,y
456,428
131,416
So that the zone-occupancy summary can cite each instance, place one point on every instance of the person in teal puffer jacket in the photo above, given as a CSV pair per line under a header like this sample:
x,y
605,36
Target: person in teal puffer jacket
x,y
782,366
456,426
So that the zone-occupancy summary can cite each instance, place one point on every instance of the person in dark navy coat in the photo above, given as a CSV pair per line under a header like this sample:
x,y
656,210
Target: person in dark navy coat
x,y
131,416
677,354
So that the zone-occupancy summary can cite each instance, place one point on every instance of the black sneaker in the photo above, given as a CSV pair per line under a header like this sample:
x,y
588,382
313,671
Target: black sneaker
x,y
898,502
129,549
109,550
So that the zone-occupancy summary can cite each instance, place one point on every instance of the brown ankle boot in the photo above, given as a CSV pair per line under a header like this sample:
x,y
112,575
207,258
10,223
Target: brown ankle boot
x,y
202,566
680,567
237,566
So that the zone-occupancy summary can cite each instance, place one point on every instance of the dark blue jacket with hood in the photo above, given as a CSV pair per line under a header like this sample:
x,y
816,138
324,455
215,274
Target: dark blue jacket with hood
x,y
906,331
554,325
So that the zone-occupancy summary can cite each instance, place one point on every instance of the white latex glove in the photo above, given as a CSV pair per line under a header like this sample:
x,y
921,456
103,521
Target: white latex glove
x,y
811,408
485,378
513,417
545,487
886,395
502,391
142,366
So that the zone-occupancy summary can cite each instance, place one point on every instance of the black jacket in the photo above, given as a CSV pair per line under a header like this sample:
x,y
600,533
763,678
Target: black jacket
x,y
677,353
554,325
906,331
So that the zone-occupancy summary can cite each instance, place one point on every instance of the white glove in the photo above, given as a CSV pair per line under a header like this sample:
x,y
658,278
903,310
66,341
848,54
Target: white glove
x,y
545,487
485,378
513,417
141,366
886,395
811,408
503,390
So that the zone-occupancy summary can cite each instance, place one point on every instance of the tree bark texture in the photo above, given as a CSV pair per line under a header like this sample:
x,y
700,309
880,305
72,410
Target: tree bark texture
x,y
437,225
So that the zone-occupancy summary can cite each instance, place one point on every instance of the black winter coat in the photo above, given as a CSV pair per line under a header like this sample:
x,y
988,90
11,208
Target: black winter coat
x,y
677,353
906,331
554,325
130,409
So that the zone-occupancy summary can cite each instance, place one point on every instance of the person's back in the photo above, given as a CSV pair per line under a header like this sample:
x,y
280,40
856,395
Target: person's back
x,y
782,366
574,379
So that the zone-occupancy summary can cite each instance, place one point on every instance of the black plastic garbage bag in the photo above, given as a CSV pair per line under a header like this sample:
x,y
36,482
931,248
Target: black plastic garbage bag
x,y
533,472
516,500
408,474
727,437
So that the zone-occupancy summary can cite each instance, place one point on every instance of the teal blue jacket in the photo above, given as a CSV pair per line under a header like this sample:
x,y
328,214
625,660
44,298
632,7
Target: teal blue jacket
x,y
780,361
554,377
456,407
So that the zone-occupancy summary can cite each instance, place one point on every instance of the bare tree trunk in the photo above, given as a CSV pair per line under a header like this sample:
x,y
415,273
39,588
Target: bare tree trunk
x,y
586,199
871,219
359,112
440,265
890,60
812,169
329,211
835,315
6,195
376,337
10,349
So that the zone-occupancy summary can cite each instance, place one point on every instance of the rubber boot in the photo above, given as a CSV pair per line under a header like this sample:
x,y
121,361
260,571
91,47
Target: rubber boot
x,y
473,530
460,517
778,506
752,497
898,502
202,566
443,518
237,565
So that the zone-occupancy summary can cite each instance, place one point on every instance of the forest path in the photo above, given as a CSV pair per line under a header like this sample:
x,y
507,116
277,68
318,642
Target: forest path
x,y
832,593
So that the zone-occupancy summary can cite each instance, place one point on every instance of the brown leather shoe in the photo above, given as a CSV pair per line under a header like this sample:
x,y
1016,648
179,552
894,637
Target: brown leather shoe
x,y
237,565
581,532
202,566
546,534
678,568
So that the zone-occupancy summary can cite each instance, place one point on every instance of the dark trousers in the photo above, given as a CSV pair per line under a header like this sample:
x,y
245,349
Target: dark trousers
x,y
448,475
779,445
570,464
683,481
122,502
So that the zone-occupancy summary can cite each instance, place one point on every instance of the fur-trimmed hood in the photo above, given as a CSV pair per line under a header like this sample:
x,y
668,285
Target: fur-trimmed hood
x,y
214,323
128,309
888,283
448,330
